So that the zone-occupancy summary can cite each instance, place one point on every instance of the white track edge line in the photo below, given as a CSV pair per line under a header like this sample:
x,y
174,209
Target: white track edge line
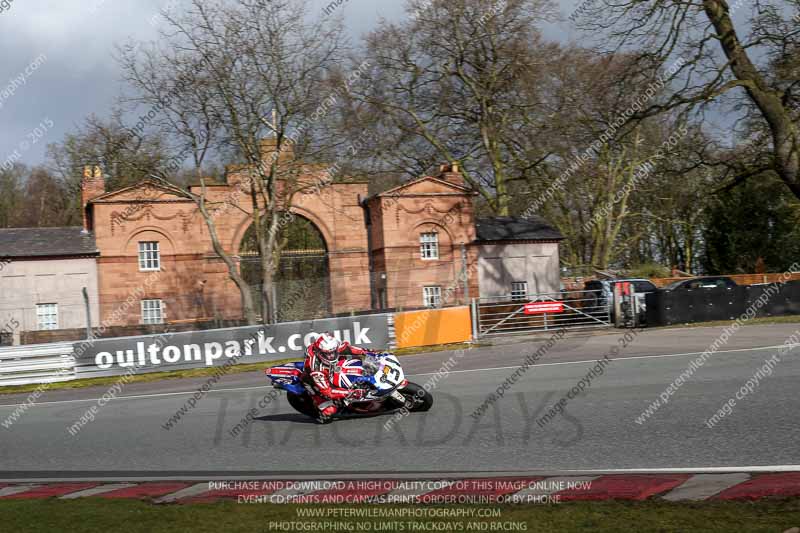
x,y
157,395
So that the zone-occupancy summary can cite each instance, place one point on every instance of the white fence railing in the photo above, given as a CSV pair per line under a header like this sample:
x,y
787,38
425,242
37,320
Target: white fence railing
x,y
525,313
46,363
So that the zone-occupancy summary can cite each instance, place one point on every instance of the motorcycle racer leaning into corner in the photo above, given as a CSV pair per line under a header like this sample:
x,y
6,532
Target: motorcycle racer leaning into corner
x,y
321,370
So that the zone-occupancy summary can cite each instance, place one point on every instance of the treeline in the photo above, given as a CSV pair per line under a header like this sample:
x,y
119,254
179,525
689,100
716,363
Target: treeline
x,y
34,197
665,155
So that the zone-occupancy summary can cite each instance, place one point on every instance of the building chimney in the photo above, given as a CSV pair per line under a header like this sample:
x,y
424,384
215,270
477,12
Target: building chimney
x,y
92,185
451,172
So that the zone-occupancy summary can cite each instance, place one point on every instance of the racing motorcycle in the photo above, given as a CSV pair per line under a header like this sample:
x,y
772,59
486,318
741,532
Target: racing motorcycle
x,y
379,374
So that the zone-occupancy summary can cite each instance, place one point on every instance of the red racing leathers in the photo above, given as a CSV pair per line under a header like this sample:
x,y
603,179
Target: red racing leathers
x,y
320,374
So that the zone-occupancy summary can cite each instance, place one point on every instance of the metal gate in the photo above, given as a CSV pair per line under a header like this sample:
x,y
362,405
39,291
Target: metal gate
x,y
502,315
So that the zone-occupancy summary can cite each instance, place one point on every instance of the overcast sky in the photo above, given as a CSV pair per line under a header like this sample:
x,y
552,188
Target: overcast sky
x,y
75,73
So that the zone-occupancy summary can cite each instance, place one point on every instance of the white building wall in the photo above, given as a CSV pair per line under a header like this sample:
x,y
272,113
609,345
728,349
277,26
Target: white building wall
x,y
26,283
501,264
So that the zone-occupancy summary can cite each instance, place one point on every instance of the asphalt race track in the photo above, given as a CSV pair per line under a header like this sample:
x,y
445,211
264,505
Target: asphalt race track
x,y
597,432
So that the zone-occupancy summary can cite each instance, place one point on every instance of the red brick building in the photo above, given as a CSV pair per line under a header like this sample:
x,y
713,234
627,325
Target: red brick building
x,y
421,238
410,247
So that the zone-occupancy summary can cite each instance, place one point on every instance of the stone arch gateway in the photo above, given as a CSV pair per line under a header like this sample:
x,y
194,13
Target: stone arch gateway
x,y
302,282
353,252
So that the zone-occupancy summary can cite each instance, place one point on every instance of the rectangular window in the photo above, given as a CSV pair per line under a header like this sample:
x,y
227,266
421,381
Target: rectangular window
x,y
149,256
152,312
643,286
429,246
519,290
47,316
432,296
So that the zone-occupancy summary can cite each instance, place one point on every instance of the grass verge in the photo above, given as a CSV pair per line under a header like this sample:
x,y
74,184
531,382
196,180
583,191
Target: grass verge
x,y
109,516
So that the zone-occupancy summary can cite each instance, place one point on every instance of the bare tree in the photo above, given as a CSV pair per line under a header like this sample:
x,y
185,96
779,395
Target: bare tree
x,y
460,80
250,79
172,85
599,165
725,61
12,194
124,156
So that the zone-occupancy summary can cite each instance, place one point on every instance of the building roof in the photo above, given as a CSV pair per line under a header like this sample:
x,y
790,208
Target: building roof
x,y
516,229
447,184
46,242
147,185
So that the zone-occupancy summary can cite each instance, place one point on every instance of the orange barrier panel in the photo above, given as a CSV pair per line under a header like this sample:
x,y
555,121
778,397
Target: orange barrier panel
x,y
433,326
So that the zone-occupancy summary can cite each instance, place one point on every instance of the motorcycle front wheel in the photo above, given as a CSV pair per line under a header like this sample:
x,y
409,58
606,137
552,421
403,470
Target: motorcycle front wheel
x,y
417,398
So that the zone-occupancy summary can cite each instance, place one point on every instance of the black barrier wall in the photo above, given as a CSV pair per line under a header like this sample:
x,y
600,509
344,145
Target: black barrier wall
x,y
665,308
197,349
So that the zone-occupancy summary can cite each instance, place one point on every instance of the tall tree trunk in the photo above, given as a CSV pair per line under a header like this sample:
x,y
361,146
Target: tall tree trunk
x,y
503,199
268,305
248,307
768,101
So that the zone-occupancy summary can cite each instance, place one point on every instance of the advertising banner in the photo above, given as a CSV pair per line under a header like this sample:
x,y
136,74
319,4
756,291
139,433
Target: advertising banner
x,y
197,349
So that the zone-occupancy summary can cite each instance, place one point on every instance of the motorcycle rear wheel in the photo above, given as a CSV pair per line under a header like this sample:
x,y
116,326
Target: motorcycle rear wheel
x,y
303,404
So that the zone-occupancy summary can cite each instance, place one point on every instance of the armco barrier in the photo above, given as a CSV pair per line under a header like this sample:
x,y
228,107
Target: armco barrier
x,y
433,326
47,363
665,308
174,351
